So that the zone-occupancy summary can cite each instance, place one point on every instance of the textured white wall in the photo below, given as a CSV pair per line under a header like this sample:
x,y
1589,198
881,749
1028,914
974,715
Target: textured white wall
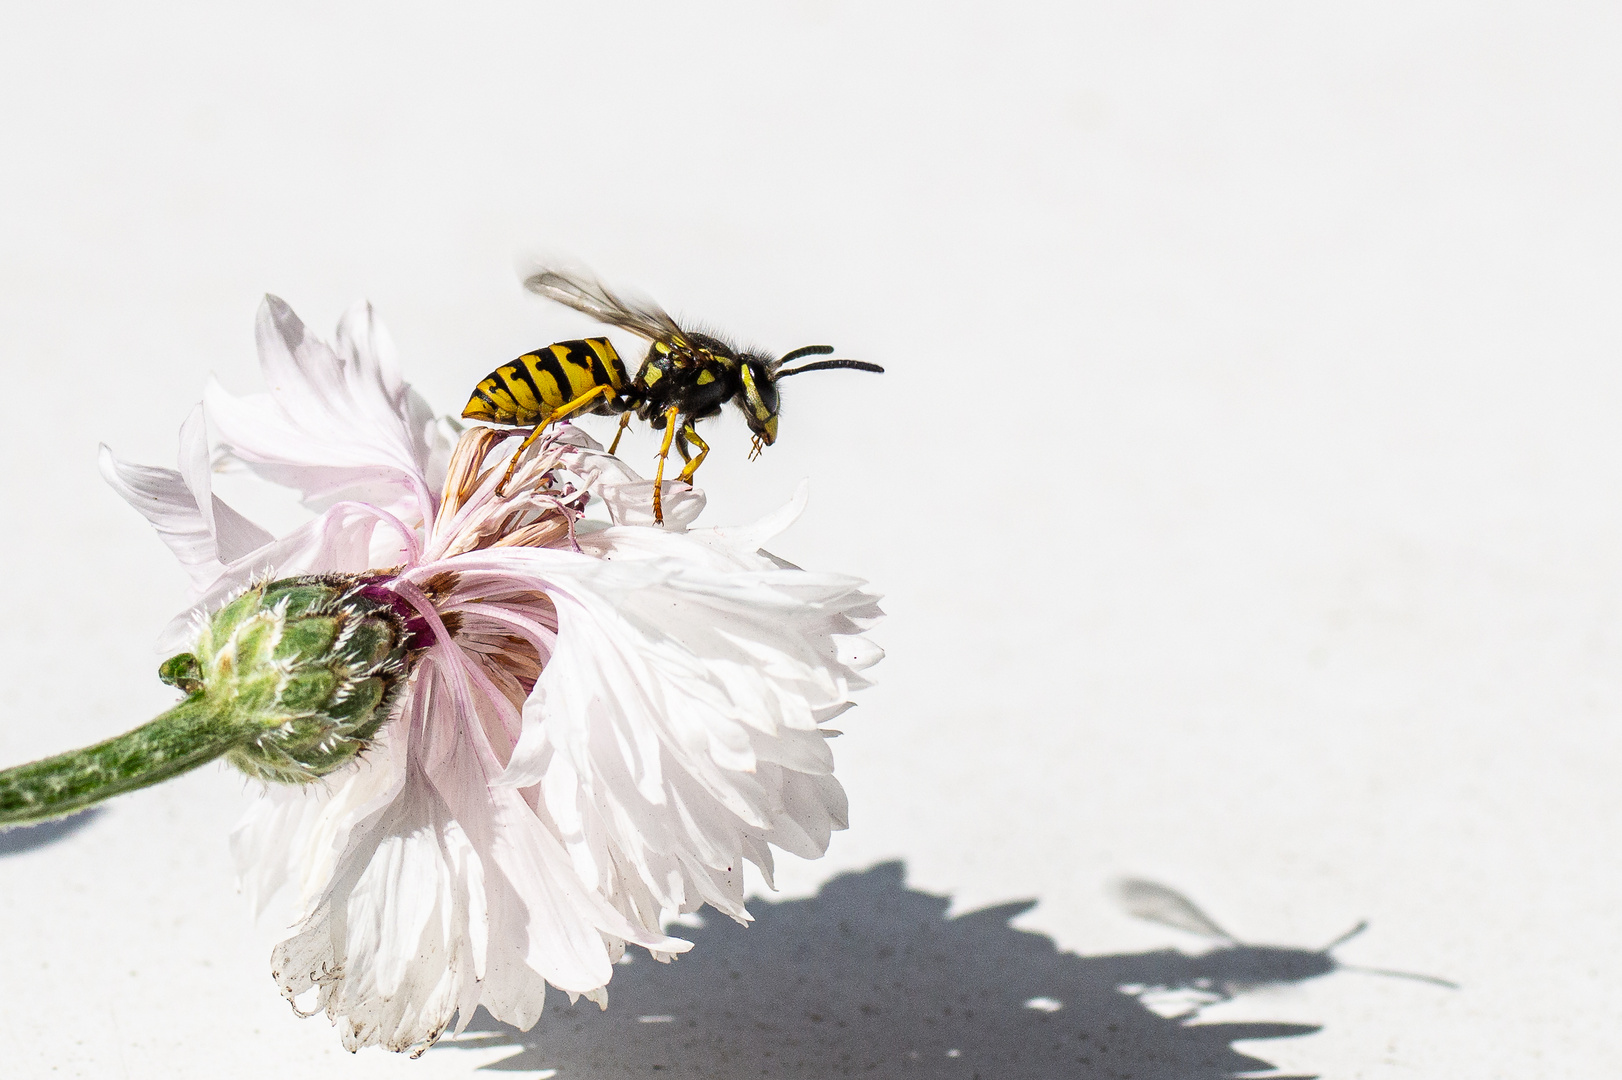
x,y
1243,483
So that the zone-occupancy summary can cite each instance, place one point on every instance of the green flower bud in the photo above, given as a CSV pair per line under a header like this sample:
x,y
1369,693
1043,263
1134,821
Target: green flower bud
x,y
310,666
288,681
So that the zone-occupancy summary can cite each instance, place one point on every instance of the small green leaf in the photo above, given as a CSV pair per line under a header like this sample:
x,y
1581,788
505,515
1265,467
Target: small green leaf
x,y
183,672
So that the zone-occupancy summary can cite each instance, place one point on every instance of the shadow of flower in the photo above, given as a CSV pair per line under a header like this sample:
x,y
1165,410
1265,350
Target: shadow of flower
x,y
28,837
872,978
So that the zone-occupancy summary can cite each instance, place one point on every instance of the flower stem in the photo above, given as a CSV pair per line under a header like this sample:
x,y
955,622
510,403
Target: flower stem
x,y
192,733
289,681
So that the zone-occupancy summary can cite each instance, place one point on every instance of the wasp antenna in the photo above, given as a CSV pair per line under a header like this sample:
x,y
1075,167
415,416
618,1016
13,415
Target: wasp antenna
x,y
1347,936
823,365
803,350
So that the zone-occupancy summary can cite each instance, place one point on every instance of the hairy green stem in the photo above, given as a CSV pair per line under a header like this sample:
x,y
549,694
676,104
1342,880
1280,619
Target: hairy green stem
x,y
289,681
191,734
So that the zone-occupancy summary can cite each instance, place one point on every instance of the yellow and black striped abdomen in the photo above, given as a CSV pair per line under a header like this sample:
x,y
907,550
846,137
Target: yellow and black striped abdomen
x,y
534,386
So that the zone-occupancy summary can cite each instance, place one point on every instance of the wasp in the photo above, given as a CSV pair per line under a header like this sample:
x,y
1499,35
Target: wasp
x,y
685,377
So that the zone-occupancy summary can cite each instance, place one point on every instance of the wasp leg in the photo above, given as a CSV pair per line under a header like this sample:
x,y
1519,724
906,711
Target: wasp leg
x,y
689,435
557,414
659,475
625,422
534,433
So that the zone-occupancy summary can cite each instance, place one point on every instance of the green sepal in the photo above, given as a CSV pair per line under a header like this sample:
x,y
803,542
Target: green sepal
x,y
182,672
288,681
316,661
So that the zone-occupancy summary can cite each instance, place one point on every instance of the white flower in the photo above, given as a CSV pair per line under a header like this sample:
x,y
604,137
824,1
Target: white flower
x,y
609,719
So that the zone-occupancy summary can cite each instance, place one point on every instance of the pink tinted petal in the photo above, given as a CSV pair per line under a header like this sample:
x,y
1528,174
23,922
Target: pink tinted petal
x,y
161,496
332,425
627,496
234,535
293,836
389,947
342,540
375,385
565,920
164,499
674,729
195,467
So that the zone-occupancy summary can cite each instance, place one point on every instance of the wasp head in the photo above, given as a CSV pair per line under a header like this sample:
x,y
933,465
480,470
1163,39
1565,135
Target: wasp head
x,y
758,399
757,396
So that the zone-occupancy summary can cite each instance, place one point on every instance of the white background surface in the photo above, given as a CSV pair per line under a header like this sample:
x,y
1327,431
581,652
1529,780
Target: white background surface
x,y
1244,484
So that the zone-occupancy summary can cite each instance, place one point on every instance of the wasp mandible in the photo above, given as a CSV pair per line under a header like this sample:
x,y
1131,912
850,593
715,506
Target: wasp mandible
x,y
686,376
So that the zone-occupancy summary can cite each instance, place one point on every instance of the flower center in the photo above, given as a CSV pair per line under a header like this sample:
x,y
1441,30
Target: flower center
x,y
535,511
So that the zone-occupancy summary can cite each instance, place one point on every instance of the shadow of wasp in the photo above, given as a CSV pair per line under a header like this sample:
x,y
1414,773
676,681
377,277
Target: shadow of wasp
x,y
1182,983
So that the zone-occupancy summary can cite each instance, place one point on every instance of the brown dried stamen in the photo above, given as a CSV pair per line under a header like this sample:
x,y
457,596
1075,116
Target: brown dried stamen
x,y
440,585
534,515
467,467
537,534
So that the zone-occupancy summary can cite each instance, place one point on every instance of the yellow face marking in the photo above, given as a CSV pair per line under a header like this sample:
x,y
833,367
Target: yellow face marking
x,y
752,395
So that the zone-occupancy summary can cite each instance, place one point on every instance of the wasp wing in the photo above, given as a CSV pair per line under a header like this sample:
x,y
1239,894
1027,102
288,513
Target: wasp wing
x,y
1168,907
591,297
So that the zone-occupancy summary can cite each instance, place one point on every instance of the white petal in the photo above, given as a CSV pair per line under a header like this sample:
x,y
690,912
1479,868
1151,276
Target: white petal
x,y
627,497
758,534
194,464
335,423
163,497
674,728
447,895
234,535
631,503
388,948
293,836
346,538
565,920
